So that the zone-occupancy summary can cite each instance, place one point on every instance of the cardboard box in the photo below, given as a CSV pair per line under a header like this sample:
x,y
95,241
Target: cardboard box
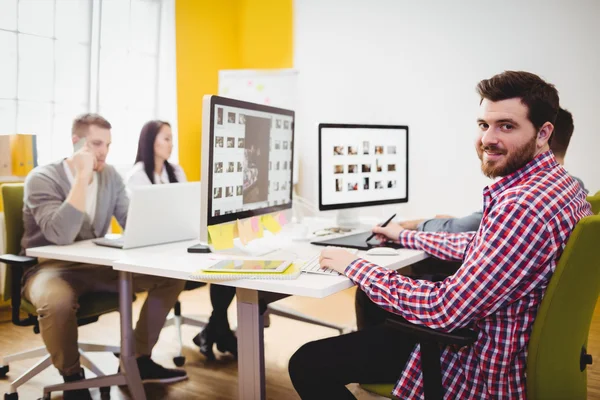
x,y
23,152
5,158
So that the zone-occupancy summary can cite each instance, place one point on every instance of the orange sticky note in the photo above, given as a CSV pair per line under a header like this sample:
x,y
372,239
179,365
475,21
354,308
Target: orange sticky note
x,y
245,231
221,236
270,223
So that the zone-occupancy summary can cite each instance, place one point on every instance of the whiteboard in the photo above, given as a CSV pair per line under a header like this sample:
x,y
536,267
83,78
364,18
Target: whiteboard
x,y
273,87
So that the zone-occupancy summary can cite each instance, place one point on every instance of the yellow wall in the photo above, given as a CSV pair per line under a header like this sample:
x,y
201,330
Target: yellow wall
x,y
225,34
266,33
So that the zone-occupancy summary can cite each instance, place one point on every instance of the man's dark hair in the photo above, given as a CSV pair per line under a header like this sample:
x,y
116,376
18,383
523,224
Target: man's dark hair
x,y
540,97
563,130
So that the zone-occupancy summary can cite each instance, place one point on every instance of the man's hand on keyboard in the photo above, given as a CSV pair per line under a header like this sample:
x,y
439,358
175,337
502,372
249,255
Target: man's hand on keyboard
x,y
336,259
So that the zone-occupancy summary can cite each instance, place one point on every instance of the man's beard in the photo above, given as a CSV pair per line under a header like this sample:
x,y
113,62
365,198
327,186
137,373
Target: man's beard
x,y
511,164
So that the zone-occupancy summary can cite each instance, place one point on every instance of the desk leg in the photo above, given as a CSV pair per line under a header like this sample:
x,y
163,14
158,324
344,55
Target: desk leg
x,y
128,362
251,355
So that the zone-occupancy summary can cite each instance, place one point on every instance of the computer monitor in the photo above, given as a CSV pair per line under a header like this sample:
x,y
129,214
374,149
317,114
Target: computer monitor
x,y
361,166
247,160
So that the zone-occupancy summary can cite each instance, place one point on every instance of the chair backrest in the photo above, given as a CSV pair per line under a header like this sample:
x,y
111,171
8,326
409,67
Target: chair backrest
x,y
595,202
560,331
12,198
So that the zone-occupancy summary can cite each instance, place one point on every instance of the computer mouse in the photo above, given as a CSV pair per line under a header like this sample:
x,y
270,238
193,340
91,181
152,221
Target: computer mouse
x,y
382,251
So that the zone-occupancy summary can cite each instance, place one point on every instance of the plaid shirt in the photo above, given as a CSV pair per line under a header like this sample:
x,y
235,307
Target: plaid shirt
x,y
507,264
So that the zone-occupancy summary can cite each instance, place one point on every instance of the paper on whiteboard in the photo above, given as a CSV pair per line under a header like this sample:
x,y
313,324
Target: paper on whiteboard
x,y
275,87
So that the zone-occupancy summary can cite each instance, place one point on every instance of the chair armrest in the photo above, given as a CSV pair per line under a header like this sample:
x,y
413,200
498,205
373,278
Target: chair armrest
x,y
461,337
17,263
22,261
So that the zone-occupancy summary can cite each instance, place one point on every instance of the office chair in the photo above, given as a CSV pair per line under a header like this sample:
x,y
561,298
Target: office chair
x,y
595,202
179,320
557,355
91,306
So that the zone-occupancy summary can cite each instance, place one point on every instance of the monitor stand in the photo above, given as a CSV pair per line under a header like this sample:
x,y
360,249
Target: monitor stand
x,y
347,219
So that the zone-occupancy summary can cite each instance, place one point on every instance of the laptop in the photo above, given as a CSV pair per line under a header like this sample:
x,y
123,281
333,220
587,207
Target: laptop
x,y
357,241
159,214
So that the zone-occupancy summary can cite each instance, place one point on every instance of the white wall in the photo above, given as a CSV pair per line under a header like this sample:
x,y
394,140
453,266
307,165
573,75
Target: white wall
x,y
417,63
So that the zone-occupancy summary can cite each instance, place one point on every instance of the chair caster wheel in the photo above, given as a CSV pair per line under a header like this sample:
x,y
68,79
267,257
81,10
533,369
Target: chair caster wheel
x,y
179,361
105,392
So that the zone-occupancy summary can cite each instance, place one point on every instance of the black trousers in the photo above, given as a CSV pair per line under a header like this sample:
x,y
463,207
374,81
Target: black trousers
x,y
322,369
374,354
221,298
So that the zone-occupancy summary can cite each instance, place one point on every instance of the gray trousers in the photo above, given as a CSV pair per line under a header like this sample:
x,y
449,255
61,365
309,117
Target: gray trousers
x,y
54,289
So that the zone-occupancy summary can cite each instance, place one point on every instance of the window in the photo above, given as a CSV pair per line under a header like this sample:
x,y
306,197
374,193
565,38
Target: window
x,y
61,58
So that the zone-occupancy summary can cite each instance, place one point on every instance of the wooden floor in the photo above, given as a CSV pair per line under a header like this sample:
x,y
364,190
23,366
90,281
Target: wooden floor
x,y
218,380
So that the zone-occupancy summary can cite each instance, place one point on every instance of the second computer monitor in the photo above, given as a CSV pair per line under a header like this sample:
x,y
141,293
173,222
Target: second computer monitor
x,y
362,165
247,161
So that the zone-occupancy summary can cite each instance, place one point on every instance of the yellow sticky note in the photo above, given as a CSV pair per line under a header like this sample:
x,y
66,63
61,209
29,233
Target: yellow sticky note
x,y
221,236
245,231
271,223
236,230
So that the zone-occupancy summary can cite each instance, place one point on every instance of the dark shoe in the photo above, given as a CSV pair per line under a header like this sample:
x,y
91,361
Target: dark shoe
x,y
227,343
224,338
153,372
80,394
205,341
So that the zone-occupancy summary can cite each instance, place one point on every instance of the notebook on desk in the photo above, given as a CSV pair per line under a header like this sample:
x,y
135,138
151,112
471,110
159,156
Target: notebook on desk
x,y
357,241
247,269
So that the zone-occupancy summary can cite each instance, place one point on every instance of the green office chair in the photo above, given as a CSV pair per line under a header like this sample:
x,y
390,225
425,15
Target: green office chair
x,y
91,306
595,202
557,355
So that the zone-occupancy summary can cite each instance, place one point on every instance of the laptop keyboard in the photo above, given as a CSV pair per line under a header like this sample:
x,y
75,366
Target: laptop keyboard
x,y
312,266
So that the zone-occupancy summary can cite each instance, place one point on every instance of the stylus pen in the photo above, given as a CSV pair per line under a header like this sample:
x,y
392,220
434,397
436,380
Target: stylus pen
x,y
382,225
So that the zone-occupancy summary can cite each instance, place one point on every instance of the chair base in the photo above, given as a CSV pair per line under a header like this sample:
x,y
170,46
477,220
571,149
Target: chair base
x,y
178,321
119,379
45,362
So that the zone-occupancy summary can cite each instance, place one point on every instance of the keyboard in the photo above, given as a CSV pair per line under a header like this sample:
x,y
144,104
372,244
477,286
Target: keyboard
x,y
106,242
312,266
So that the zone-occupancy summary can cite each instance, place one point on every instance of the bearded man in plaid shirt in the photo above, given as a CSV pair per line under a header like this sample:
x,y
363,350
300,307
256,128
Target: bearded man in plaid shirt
x,y
529,214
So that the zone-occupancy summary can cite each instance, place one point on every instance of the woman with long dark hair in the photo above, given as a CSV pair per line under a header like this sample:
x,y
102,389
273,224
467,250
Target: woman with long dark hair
x,y
152,167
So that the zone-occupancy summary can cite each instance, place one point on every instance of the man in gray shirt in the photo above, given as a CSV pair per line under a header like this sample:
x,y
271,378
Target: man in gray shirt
x,y
72,200
432,269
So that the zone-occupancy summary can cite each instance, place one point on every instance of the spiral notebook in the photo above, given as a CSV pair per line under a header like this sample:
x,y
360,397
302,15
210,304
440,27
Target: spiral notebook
x,y
291,272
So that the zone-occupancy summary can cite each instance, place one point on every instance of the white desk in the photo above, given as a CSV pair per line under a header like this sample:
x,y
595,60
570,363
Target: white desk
x,y
89,253
173,261
177,263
